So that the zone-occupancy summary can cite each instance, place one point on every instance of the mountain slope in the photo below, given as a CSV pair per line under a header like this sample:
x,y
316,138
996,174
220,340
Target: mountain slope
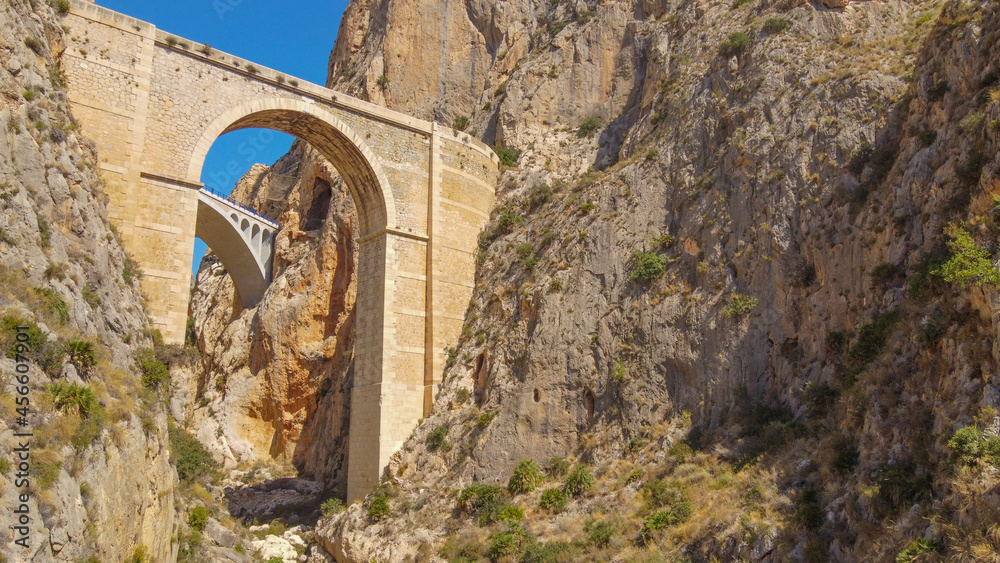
x,y
760,268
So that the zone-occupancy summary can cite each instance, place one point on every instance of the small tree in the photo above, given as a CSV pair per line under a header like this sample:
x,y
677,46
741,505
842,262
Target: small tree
x,y
735,44
969,262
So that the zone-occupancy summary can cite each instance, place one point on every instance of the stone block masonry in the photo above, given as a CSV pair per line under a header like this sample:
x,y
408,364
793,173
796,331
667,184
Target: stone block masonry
x,y
154,103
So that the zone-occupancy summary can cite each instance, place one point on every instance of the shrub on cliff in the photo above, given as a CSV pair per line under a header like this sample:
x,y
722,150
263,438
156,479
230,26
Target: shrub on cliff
x,y
579,481
735,44
482,502
378,509
969,262
190,458
508,155
527,475
646,266
553,500
154,372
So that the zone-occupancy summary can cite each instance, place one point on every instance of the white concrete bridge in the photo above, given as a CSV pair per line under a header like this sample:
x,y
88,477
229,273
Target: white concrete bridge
x,y
248,237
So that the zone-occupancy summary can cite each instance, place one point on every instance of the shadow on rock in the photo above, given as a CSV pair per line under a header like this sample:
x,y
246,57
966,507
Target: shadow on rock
x,y
295,501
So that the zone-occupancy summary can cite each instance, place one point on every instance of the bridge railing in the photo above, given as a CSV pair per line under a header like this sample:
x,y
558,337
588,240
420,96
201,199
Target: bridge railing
x,y
229,200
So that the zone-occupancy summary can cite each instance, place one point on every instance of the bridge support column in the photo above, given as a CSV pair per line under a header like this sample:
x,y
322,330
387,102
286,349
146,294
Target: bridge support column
x,y
163,245
387,398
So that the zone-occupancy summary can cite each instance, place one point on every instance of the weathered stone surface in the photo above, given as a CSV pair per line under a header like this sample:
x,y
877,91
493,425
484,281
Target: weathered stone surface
x,y
62,269
734,166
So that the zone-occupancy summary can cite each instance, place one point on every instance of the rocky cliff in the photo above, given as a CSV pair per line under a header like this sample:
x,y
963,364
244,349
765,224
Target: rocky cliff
x,y
739,281
101,481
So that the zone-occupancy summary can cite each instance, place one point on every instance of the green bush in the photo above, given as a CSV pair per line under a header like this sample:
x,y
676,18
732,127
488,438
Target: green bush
x,y
482,502
846,455
927,137
676,514
775,25
552,552
916,548
588,127
378,509
968,445
36,340
485,419
740,304
553,500
527,476
646,266
938,90
971,169
438,439
81,355
735,44
508,155
510,513
818,398
579,481
60,6
871,337
45,474
198,518
680,451
657,493
332,506
55,270
154,372
969,263
90,297
190,458
56,303
140,555
460,123
130,270
539,195
508,219
34,44
510,544
70,396
900,485
599,533
526,255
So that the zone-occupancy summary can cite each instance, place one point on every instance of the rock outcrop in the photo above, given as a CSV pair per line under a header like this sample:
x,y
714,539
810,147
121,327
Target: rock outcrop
x,y
726,230
101,482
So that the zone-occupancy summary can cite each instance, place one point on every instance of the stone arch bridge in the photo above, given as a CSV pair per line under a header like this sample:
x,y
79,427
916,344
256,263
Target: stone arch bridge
x,y
154,103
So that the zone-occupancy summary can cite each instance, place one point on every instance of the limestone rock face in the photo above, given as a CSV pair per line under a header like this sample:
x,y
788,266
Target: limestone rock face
x,y
101,481
275,379
716,207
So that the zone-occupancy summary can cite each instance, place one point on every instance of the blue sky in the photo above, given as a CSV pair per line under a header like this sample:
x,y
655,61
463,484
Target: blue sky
x,y
293,37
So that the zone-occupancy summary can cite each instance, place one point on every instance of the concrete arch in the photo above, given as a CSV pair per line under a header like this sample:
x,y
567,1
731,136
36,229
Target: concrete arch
x,y
347,151
232,243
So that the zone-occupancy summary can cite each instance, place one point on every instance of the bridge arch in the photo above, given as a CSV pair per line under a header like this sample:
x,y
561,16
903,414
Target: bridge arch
x,y
346,150
243,247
